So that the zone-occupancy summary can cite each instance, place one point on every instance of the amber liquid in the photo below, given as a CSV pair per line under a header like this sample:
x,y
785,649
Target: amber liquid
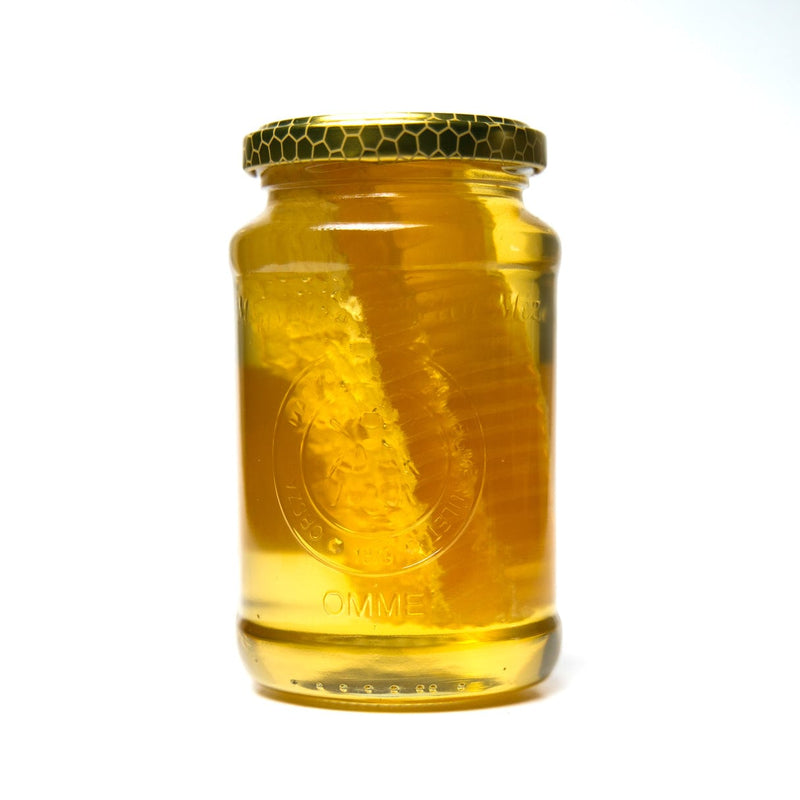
x,y
396,457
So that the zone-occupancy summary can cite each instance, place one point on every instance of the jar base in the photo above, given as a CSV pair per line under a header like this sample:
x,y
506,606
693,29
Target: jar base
x,y
465,668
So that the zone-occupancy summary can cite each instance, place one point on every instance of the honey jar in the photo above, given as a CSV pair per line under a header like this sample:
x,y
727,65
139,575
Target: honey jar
x,y
396,329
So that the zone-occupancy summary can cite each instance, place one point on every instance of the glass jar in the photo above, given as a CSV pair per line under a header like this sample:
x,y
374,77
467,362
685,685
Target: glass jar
x,y
396,312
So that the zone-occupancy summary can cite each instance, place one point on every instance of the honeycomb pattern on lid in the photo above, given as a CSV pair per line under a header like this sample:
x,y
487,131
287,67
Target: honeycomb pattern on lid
x,y
395,137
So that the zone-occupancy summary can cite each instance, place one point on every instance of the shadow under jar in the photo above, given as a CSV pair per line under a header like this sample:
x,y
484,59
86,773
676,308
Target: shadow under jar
x,y
396,313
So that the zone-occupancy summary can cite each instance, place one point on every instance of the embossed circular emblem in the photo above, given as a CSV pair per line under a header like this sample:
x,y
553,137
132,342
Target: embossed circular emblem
x,y
374,480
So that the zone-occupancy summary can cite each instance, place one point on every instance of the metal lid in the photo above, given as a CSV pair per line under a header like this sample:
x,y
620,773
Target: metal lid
x,y
395,137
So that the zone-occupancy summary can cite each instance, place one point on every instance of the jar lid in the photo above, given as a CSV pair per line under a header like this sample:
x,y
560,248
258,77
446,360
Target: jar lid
x,y
394,137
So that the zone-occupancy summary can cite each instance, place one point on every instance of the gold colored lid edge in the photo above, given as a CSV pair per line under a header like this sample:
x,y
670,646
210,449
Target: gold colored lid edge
x,y
395,137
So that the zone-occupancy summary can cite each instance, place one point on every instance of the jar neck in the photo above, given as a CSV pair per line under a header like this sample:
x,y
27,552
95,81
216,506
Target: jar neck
x,y
360,179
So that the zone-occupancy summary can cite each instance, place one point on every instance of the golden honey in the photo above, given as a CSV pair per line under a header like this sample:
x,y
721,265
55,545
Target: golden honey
x,y
396,312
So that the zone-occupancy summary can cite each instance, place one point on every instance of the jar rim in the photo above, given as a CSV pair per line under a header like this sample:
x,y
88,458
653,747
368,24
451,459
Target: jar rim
x,y
392,137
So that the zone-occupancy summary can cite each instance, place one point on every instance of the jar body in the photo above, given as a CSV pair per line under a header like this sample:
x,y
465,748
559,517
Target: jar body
x,y
396,338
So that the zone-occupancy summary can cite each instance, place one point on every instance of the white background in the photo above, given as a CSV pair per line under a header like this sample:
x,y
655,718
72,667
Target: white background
x,y
673,132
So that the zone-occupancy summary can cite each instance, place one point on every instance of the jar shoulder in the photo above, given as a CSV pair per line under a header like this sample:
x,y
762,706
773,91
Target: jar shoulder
x,y
382,235
528,239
